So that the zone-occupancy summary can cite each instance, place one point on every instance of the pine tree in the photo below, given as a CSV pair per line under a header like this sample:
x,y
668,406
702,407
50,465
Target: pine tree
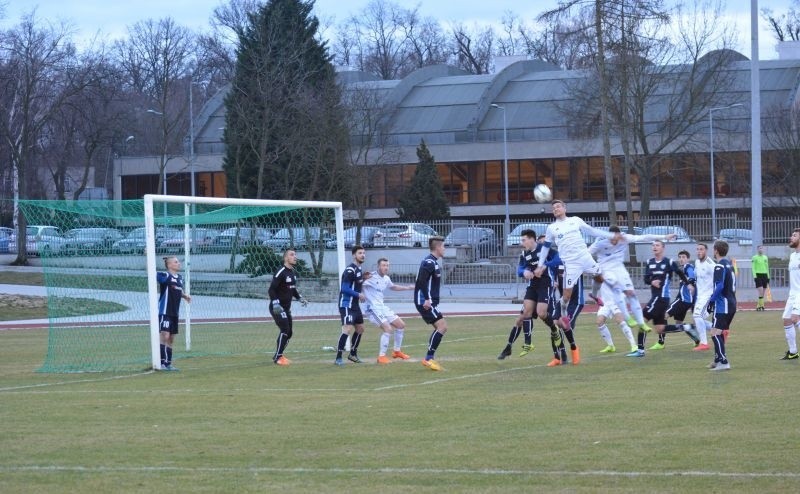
x,y
424,199
285,135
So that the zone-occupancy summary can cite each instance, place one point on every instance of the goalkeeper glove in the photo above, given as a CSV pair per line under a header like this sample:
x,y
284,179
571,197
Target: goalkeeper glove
x,y
710,308
277,309
303,301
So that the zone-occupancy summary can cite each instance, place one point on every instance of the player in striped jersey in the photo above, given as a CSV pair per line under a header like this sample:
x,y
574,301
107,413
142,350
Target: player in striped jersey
x,y
658,275
722,304
170,284
426,298
349,309
791,312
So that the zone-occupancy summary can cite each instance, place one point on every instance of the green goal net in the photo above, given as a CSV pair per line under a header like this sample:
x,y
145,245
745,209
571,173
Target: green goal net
x,y
96,265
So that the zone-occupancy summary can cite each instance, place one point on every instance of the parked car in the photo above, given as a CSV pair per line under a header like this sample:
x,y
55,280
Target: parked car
x,y
135,241
8,231
403,235
42,240
242,236
3,242
296,237
683,235
736,235
93,240
515,237
200,240
483,241
367,236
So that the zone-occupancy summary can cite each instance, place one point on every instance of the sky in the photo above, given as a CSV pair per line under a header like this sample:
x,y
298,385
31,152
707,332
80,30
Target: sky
x,y
109,18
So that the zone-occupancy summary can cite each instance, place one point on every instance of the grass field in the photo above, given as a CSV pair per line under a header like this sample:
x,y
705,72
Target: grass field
x,y
611,424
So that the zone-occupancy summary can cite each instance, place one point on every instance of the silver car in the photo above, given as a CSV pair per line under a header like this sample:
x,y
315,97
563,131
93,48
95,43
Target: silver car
x,y
403,235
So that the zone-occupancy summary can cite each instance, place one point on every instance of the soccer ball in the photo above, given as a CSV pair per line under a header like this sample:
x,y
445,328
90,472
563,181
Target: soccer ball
x,y
542,193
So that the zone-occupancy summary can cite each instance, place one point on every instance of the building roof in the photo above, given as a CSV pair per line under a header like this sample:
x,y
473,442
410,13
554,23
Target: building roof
x,y
445,105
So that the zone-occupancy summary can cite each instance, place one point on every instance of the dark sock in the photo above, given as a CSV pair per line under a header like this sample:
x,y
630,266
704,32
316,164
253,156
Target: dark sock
x,y
527,330
723,356
717,353
512,337
570,338
354,343
554,339
341,344
283,340
661,337
169,355
673,328
640,340
163,349
433,344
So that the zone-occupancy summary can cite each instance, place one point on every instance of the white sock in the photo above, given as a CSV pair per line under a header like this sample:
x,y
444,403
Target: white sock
x,y
791,338
564,306
605,334
622,304
626,330
384,343
700,325
636,309
398,339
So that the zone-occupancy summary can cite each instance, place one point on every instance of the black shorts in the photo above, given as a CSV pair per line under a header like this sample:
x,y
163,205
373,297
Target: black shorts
x,y
168,324
678,309
656,310
538,292
431,315
284,323
723,321
351,316
762,280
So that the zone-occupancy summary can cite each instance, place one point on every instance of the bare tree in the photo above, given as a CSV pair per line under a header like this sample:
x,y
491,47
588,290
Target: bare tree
x,y
157,58
473,49
784,26
782,130
216,55
368,114
33,86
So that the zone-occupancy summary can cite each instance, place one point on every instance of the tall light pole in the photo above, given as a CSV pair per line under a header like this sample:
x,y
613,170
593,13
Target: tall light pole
x,y
164,162
711,161
191,136
507,224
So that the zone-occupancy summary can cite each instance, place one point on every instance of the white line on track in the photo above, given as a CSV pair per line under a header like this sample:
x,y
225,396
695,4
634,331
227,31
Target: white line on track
x,y
387,470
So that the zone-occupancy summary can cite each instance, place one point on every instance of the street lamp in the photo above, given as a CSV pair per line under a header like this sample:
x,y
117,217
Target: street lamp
x,y
711,160
507,224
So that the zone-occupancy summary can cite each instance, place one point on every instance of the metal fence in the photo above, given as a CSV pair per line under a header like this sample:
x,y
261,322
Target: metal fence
x,y
776,230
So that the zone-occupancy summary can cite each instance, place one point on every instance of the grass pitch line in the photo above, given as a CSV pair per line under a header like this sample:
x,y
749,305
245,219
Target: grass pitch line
x,y
388,470
80,381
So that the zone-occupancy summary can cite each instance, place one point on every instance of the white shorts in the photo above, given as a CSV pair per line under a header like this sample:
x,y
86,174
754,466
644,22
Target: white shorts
x,y
700,305
792,306
379,314
608,310
575,268
618,278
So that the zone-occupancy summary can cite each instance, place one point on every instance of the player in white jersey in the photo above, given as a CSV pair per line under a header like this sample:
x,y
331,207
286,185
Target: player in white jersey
x,y
610,254
704,274
791,313
566,233
380,314
610,310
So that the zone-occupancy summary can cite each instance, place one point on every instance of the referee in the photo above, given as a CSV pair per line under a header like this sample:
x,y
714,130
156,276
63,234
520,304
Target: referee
x,y
760,275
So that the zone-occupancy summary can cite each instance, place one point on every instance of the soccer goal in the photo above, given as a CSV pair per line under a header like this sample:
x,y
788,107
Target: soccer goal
x,y
100,260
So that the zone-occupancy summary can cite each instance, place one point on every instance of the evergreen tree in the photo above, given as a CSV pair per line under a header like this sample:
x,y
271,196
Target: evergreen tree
x,y
424,199
285,135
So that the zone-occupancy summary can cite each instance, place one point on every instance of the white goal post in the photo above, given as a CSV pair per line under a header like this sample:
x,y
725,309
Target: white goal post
x,y
186,219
